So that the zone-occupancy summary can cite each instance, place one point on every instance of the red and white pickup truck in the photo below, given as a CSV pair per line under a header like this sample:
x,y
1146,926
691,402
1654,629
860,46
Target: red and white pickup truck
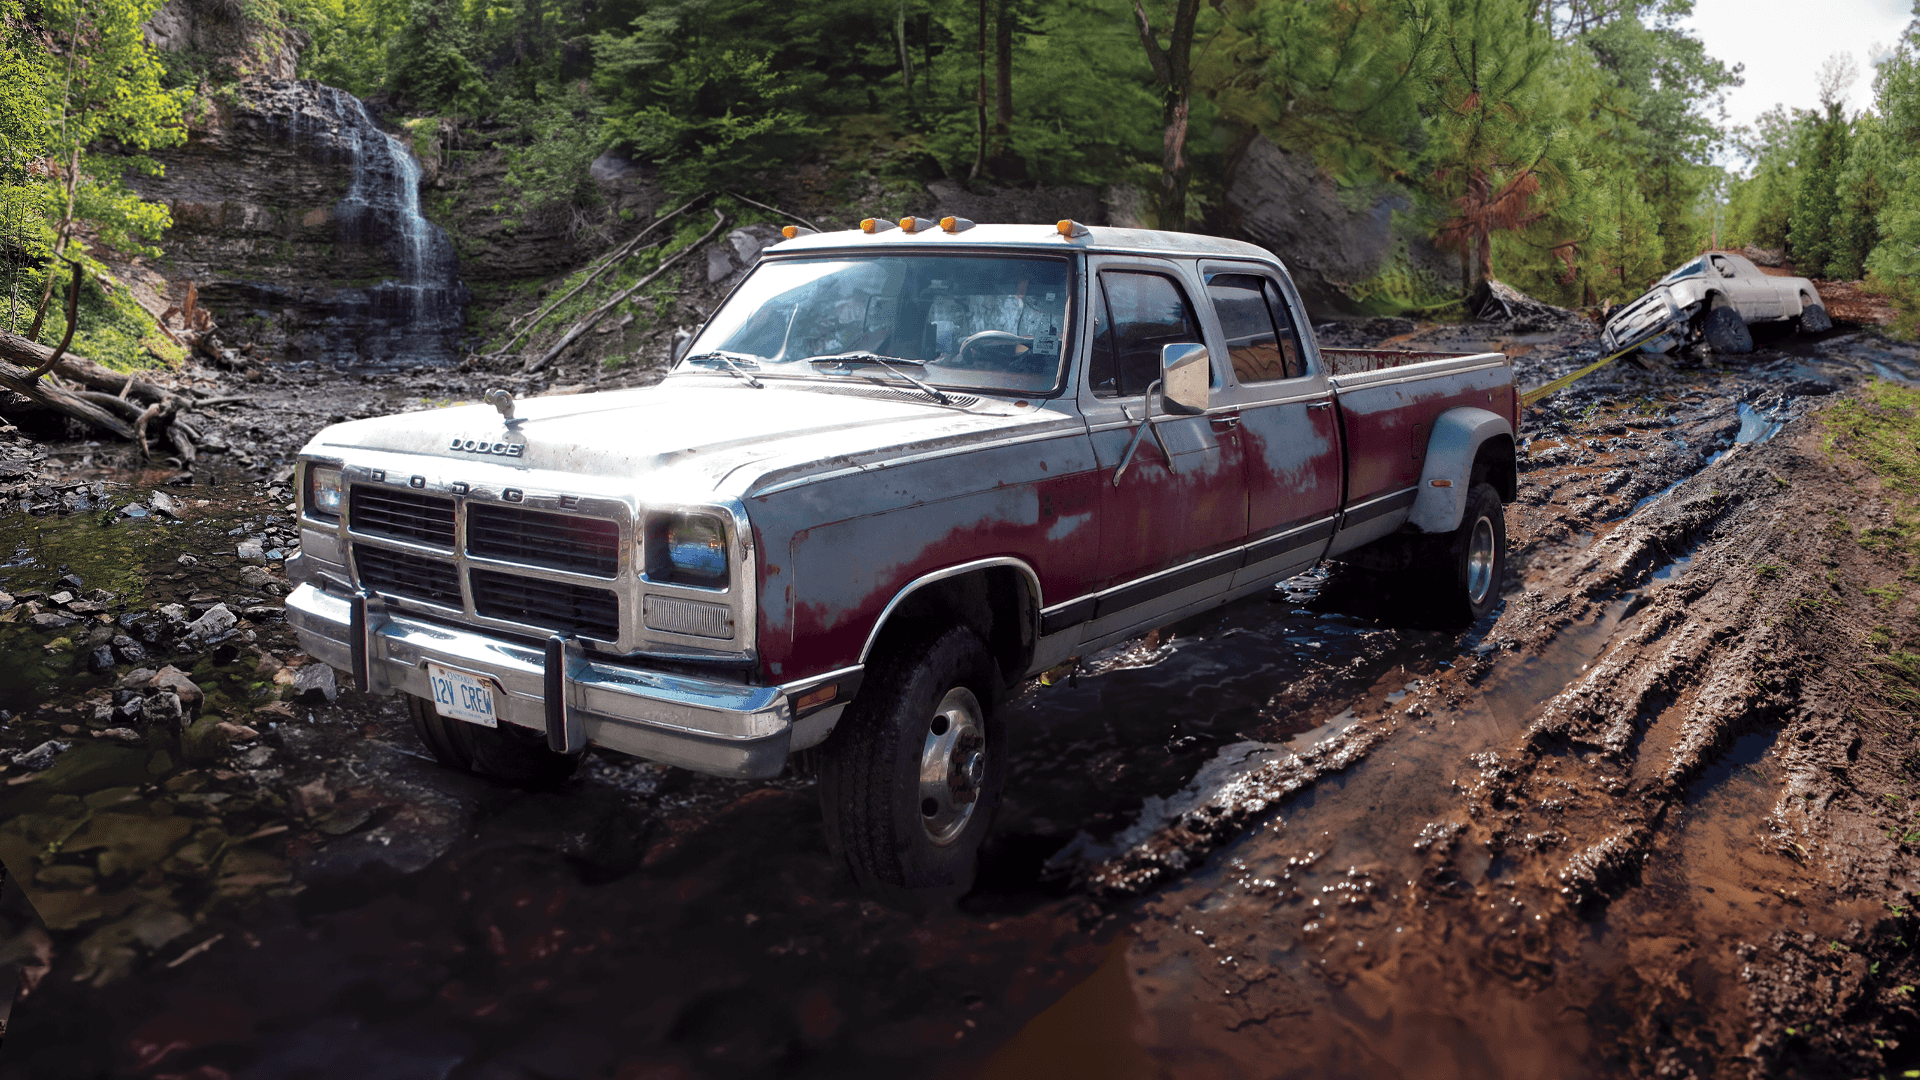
x,y
900,470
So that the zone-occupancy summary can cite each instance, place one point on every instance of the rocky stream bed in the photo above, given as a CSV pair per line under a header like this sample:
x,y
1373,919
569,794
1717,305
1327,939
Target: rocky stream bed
x,y
1653,818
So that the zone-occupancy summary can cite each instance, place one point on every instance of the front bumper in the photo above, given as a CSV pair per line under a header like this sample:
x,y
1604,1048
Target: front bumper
x,y
726,729
1653,321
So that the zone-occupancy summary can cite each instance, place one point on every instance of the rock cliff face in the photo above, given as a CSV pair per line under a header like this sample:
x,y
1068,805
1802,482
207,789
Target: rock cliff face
x,y
1354,253
235,46
299,220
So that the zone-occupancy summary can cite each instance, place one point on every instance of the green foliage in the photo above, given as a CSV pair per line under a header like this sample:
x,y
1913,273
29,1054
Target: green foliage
x,y
1816,197
548,159
429,64
113,329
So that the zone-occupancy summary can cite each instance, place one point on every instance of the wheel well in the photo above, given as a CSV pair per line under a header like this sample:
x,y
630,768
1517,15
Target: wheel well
x,y
996,602
1494,464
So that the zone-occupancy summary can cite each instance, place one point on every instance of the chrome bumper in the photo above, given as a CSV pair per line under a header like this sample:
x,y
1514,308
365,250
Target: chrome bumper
x,y
726,729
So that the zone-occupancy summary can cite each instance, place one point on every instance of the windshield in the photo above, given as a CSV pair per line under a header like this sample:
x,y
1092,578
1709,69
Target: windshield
x,y
1693,269
986,322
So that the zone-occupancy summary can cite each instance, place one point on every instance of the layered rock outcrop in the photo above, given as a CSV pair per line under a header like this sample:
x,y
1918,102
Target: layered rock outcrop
x,y
1352,252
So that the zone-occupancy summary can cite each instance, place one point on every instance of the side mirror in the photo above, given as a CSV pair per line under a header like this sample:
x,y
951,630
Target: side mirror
x,y
1183,377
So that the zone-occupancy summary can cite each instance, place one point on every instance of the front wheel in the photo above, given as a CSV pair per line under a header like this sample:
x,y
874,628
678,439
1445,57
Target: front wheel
x,y
507,752
1726,331
1814,320
912,775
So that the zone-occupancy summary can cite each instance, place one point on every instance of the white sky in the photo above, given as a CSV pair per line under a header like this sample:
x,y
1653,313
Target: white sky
x,y
1784,43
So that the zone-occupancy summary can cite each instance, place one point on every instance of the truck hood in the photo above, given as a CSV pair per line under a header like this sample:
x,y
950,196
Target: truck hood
x,y
691,433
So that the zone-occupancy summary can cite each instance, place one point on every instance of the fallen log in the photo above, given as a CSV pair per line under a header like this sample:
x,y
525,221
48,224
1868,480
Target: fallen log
x,y
18,350
18,380
586,324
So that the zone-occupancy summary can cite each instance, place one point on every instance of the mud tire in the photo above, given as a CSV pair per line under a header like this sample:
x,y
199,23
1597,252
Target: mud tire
x,y
507,752
870,785
1726,331
1814,320
1466,585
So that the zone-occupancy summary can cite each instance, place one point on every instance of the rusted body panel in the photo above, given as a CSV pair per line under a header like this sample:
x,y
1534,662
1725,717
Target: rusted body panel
x,y
843,498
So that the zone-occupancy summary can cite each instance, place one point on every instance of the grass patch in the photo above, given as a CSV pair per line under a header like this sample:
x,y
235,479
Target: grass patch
x,y
114,330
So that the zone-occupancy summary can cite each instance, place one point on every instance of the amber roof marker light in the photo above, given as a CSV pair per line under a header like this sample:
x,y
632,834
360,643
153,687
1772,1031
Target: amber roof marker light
x,y
916,224
1070,228
876,225
792,231
955,224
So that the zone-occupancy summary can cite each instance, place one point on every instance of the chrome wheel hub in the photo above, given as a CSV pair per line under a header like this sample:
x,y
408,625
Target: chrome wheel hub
x,y
953,765
1480,561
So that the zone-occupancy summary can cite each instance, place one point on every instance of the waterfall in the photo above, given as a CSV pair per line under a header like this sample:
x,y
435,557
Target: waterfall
x,y
415,312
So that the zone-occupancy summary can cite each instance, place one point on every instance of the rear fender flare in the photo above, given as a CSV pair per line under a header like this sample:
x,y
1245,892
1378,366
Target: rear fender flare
x,y
1452,449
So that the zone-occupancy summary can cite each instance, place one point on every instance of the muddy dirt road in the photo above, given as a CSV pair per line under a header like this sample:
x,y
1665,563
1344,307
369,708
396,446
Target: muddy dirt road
x,y
1652,819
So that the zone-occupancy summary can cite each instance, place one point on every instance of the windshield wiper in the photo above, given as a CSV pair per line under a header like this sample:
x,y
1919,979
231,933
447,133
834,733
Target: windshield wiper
x,y
852,358
732,360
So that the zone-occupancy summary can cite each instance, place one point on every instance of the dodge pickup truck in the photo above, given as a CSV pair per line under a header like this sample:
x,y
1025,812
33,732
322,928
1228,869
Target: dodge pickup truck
x,y
898,471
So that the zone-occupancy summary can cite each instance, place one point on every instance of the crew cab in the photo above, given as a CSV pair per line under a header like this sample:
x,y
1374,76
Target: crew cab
x,y
1714,297
898,471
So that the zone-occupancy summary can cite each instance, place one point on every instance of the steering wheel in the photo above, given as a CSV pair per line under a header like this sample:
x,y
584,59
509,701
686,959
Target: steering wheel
x,y
990,349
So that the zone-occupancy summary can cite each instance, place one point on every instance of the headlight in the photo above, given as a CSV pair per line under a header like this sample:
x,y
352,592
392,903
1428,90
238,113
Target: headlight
x,y
688,549
323,491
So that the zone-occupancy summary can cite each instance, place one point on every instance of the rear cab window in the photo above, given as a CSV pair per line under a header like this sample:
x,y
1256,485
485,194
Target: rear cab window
x,y
1262,343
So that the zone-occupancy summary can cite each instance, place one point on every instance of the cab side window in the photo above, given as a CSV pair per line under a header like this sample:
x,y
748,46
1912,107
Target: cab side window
x,y
1261,340
1137,313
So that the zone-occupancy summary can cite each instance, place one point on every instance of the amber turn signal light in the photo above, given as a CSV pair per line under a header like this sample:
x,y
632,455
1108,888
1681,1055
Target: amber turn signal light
x,y
815,698
1070,228
955,224
876,225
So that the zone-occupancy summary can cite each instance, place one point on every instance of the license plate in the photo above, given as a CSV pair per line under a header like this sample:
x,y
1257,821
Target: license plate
x,y
462,696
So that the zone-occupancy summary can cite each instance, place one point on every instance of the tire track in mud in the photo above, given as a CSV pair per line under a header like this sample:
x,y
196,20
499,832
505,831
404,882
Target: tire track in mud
x,y
1717,603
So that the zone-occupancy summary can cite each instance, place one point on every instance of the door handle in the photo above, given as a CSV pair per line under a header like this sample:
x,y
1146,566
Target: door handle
x,y
1224,422
1319,404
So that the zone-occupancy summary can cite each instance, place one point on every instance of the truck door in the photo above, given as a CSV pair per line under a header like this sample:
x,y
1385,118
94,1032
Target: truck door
x,y
1289,435
1172,520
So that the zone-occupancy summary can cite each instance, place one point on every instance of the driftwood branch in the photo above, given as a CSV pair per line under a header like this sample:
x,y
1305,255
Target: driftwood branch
x,y
18,350
18,380
775,210
581,327
114,402
73,319
621,254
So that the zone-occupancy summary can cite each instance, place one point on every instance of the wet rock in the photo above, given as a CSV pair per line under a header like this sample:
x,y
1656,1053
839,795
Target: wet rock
x,y
121,734
315,683
86,607
128,650
6,601
187,560
73,581
172,678
133,510
62,598
217,621
137,679
719,265
101,660
253,549
163,710
163,503
255,577
40,757
211,736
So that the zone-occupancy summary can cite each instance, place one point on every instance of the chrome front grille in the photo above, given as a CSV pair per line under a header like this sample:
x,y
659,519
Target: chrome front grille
x,y
569,542
423,547
555,605
405,574
402,515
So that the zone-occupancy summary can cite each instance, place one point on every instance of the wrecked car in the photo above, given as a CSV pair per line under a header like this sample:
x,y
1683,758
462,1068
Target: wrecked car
x,y
899,470
1714,298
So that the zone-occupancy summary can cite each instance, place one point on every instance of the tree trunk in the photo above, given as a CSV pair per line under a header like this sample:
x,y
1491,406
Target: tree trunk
x,y
1003,77
906,57
1172,67
980,100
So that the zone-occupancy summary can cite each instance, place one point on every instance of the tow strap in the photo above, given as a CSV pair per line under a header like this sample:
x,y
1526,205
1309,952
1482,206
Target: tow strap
x,y
1530,396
